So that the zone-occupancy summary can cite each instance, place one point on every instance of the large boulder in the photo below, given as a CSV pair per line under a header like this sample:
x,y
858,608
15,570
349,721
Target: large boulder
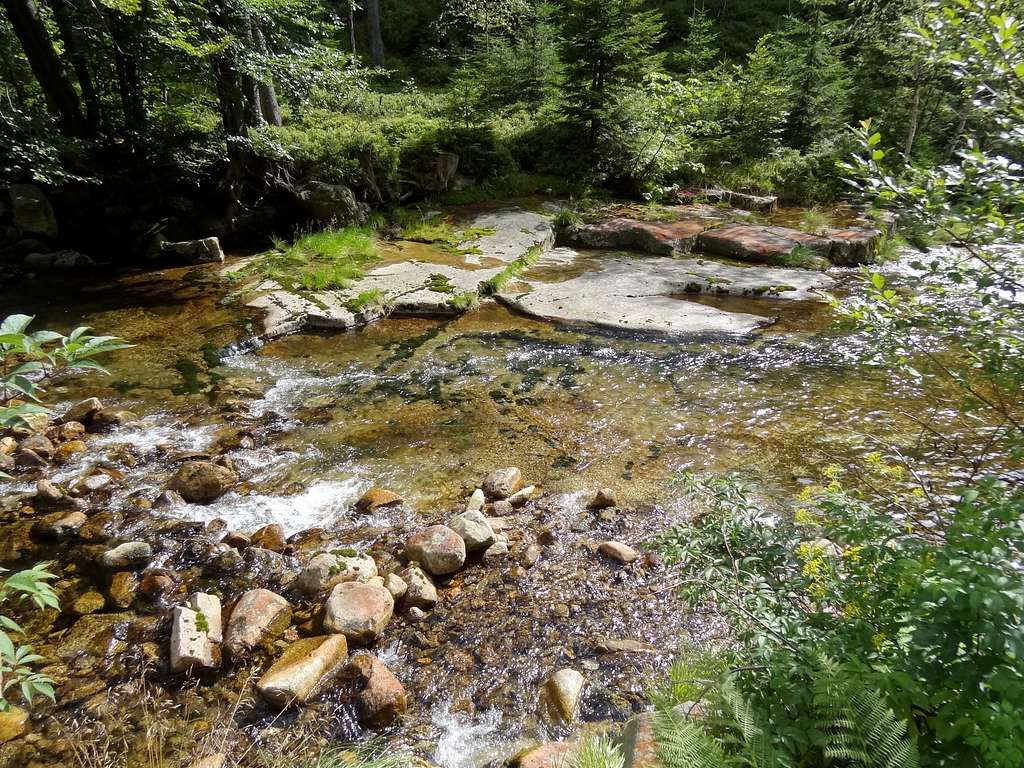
x,y
204,251
381,697
201,482
437,548
303,670
359,611
58,260
33,214
258,616
330,202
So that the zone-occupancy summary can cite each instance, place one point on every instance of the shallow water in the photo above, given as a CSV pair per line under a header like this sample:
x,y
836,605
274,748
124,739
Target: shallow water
x,y
426,407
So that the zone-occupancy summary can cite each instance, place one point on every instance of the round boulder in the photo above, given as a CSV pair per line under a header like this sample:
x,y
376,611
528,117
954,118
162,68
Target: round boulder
x,y
201,482
438,548
358,611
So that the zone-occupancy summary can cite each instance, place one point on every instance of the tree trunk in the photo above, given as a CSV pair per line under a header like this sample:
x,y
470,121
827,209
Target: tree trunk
x,y
376,42
269,108
352,25
133,102
913,119
61,96
63,14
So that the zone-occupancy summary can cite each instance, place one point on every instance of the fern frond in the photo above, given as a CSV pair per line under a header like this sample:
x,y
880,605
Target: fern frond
x,y
741,716
860,728
683,743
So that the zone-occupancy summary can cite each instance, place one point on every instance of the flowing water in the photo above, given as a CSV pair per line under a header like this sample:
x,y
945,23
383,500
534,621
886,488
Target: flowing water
x,y
426,407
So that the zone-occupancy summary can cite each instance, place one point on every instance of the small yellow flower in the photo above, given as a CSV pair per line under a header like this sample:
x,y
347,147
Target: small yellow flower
x,y
852,554
804,516
831,472
806,493
878,639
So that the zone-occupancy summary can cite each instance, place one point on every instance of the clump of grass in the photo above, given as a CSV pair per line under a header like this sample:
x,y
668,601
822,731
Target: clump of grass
x,y
815,222
441,233
802,256
513,270
464,300
567,217
440,284
319,261
364,300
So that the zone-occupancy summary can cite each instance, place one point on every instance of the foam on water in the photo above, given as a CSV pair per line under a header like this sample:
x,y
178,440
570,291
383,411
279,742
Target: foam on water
x,y
317,505
463,742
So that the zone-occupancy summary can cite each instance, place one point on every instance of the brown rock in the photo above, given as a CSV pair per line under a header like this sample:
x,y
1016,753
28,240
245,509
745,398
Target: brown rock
x,y
616,550
39,444
123,586
68,451
201,482
381,697
502,483
359,611
603,499
83,410
13,723
552,754
303,670
437,548
269,537
376,498
236,539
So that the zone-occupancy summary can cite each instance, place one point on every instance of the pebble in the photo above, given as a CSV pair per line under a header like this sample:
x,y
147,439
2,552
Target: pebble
x,y
616,550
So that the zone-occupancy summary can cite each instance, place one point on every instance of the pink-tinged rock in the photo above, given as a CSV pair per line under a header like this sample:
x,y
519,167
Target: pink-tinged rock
x,y
767,245
381,697
663,238
552,754
438,549
359,611
258,616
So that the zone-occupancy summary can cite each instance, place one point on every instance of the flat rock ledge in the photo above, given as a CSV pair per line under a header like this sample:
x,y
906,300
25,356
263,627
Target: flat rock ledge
x,y
697,229
654,295
404,287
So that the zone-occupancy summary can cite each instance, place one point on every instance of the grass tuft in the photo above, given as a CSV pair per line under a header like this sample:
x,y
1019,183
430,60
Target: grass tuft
x,y
319,261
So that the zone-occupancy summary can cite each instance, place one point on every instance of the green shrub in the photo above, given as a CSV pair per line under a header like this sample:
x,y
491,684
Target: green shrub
x,y
15,660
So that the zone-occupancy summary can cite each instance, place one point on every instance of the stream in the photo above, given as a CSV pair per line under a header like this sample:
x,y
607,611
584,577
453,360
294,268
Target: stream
x,y
426,407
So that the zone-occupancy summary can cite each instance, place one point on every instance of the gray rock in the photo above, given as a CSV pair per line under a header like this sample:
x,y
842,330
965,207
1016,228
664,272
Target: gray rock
x,y
59,260
502,483
204,251
496,552
209,607
502,508
131,555
474,529
358,611
396,585
420,590
330,202
328,569
476,501
33,214
520,497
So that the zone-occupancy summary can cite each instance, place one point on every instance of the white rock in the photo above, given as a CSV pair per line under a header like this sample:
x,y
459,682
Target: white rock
x,y
209,606
474,530
519,498
563,691
190,646
476,501
396,585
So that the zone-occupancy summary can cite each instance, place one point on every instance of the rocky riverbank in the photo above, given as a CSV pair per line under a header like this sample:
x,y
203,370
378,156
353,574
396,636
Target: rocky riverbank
x,y
371,624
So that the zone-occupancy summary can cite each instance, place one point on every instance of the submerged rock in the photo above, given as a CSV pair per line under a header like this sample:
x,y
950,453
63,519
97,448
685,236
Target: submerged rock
x,y
381,697
269,537
130,555
502,483
616,550
258,616
83,410
437,548
375,498
303,670
201,482
13,723
562,694
358,611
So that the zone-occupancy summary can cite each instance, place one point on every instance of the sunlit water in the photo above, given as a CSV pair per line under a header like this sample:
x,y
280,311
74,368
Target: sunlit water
x,y
426,407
